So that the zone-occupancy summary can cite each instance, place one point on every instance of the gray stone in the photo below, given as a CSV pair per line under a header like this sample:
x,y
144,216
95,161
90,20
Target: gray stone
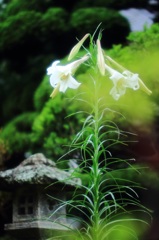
x,y
40,192
36,170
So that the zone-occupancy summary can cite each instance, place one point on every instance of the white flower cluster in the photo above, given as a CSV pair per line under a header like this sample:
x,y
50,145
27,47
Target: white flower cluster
x,y
121,81
61,77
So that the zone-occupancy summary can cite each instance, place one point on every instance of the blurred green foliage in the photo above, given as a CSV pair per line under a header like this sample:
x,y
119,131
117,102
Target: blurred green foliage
x,y
47,129
26,38
148,39
141,56
41,94
3,151
18,133
123,4
31,26
53,129
24,24
16,6
84,20
32,35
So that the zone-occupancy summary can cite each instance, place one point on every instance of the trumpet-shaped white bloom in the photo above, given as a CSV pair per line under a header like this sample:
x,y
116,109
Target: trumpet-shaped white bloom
x,y
122,81
61,76
135,82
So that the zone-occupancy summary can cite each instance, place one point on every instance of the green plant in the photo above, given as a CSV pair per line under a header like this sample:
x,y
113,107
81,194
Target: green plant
x,y
147,39
18,134
3,151
108,202
50,134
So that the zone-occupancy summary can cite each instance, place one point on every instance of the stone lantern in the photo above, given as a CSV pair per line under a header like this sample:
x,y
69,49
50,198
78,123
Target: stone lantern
x,y
39,190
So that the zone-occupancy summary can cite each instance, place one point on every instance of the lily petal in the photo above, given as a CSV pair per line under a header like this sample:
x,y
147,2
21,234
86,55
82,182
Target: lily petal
x,y
61,78
63,86
54,79
74,65
72,83
51,69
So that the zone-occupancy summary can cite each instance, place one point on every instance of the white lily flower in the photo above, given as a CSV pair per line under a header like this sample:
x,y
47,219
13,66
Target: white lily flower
x,y
131,75
132,80
122,81
61,76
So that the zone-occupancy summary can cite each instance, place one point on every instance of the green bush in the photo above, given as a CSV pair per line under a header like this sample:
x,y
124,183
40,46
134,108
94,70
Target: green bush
x,y
48,130
32,26
26,38
16,6
55,19
146,39
17,133
114,4
116,27
18,28
54,30
42,93
52,130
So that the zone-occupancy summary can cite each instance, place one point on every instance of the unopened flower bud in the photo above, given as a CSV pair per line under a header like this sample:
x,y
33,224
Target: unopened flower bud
x,y
100,58
77,47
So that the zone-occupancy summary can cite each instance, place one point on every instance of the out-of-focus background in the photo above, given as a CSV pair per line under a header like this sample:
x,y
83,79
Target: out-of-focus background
x,y
35,33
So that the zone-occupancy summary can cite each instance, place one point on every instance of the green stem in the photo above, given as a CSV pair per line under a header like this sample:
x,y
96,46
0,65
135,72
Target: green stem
x,y
95,168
